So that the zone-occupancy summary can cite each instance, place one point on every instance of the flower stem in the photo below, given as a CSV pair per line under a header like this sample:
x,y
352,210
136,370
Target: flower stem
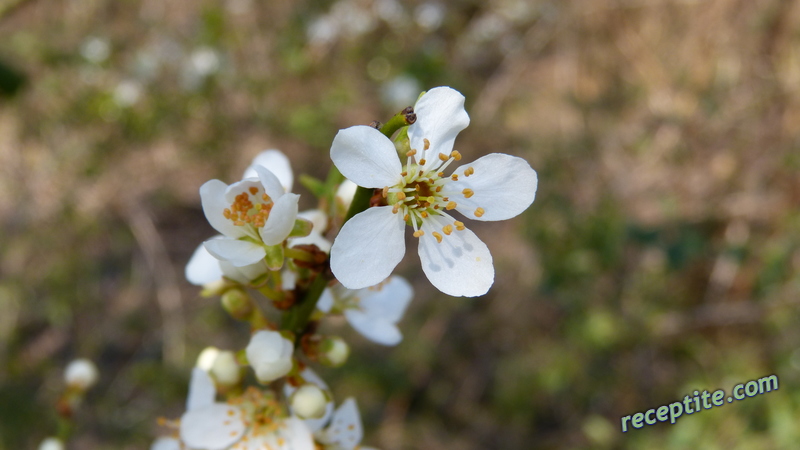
x,y
296,319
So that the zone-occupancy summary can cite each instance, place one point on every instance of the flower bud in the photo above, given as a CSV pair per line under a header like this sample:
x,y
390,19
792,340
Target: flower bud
x,y
333,351
309,402
207,357
51,443
237,303
270,354
225,369
81,374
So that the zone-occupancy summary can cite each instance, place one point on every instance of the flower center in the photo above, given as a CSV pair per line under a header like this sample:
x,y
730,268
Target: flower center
x,y
422,195
248,208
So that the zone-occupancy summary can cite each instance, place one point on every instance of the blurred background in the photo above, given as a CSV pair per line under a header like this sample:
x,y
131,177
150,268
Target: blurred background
x,y
660,257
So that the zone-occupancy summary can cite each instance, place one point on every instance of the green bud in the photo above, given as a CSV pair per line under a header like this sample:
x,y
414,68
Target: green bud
x,y
333,351
274,257
302,228
237,303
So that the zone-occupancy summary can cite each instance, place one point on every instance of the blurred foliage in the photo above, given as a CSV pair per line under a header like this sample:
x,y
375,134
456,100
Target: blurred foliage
x,y
660,257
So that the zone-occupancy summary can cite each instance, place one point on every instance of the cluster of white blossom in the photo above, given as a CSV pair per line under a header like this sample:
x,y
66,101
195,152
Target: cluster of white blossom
x,y
267,246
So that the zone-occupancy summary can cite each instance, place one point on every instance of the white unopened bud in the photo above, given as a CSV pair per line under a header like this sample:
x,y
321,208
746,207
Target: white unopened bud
x,y
51,443
81,374
334,351
225,369
207,357
270,354
309,402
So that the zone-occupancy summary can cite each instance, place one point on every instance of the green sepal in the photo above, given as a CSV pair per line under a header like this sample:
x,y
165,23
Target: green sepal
x,y
274,256
402,143
302,228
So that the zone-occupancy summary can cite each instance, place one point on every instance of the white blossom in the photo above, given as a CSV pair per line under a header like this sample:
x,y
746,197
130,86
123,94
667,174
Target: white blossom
x,y
374,311
81,374
455,260
270,355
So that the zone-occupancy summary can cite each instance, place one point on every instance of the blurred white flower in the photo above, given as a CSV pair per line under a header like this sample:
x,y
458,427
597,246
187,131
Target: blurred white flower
x,y
95,49
310,377
81,374
270,355
374,311
455,260
429,15
127,93
204,61
396,92
308,402
277,163
51,443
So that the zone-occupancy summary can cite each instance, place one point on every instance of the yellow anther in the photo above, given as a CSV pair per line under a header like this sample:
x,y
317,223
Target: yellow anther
x,y
403,173
424,214
395,208
401,195
437,236
427,143
443,157
479,212
436,206
418,233
468,193
411,152
459,225
405,218
469,171
431,199
227,213
440,174
438,189
445,199
447,229
454,177
385,191
253,190
452,205
264,197
422,162
455,155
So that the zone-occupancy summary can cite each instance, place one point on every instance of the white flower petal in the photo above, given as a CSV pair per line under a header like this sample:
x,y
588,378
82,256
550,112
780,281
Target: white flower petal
x,y
440,117
345,429
368,247
387,300
237,252
376,329
165,443
297,435
460,265
504,186
212,427
202,267
277,163
366,157
214,201
281,220
272,185
317,217
244,274
325,302
345,193
201,390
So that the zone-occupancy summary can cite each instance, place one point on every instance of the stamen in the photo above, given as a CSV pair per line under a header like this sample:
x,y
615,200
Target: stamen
x,y
442,156
418,233
454,177
253,190
447,229
411,152
438,189
401,196
264,197
455,155
436,206
227,213
422,162
459,225
424,214
469,171
479,212
405,218
437,236
427,144
440,174
468,192
385,191
445,199
452,205
403,173
395,208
